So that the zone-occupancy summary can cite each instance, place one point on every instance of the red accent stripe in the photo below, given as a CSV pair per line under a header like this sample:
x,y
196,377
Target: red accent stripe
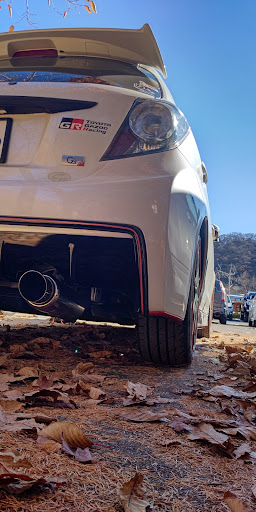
x,y
165,315
81,223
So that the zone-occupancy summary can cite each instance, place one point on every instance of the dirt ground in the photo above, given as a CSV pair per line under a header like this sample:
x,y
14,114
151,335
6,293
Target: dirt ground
x,y
186,467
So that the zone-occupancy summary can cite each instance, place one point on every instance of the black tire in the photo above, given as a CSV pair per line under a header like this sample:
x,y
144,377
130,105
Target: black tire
x,y
168,342
250,323
223,319
246,315
254,323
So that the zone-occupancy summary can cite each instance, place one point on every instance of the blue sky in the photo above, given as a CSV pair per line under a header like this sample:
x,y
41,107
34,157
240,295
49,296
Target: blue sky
x,y
208,47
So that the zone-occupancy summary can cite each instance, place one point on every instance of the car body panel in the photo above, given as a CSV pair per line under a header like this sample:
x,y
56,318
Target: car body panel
x,y
159,200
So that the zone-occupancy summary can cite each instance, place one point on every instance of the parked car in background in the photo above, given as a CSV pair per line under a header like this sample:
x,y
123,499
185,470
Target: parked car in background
x,y
245,305
220,305
104,209
252,312
230,308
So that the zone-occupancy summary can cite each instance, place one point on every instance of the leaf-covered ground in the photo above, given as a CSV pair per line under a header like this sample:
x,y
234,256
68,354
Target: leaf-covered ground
x,y
93,428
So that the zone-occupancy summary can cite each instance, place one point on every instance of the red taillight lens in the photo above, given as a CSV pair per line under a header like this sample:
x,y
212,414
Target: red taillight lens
x,y
122,141
47,52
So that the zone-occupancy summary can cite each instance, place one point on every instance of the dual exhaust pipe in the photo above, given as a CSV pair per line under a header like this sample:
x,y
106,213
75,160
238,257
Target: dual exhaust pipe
x,y
42,293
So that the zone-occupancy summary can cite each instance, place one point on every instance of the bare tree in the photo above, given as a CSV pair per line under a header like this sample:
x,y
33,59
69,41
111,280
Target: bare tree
x,y
68,5
229,275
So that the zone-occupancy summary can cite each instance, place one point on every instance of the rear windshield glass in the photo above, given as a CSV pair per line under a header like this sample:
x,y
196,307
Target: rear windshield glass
x,y
80,70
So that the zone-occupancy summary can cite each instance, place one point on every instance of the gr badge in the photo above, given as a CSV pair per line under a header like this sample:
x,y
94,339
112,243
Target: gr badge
x,y
73,160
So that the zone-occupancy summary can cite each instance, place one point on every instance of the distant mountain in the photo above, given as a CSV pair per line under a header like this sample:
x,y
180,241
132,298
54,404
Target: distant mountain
x,y
235,261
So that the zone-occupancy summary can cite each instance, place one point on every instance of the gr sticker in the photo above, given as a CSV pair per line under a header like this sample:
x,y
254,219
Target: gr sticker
x,y
72,160
69,123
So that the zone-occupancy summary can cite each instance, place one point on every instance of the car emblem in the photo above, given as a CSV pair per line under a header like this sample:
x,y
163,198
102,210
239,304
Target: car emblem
x,y
72,160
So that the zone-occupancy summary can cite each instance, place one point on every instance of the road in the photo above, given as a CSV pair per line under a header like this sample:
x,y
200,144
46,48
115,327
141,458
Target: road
x,y
233,327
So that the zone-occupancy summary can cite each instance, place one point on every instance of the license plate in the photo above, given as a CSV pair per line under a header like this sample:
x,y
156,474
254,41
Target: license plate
x,y
5,132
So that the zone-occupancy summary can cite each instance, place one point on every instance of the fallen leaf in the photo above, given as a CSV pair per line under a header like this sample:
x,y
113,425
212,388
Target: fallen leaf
x,y
18,350
243,449
101,354
80,454
234,503
28,372
48,445
132,493
3,360
171,442
11,405
96,393
206,432
44,382
254,491
50,398
142,415
13,459
137,391
227,391
17,483
67,431
82,368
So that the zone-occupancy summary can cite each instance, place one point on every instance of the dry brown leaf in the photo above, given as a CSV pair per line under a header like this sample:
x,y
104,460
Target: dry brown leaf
x,y
17,483
171,442
82,368
96,393
28,372
44,382
206,432
48,445
10,10
11,28
227,391
11,405
70,432
132,493
101,354
243,449
3,360
88,9
93,6
50,398
137,391
18,350
65,14
13,459
142,415
234,503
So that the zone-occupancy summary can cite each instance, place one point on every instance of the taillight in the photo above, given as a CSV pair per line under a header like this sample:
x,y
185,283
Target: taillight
x,y
46,52
150,126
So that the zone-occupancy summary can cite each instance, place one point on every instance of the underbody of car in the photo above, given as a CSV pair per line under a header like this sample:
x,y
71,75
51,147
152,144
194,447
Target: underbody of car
x,y
104,212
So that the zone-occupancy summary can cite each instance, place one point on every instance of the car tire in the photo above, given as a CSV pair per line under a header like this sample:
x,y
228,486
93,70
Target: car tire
x,y
223,319
246,316
250,323
168,342
254,323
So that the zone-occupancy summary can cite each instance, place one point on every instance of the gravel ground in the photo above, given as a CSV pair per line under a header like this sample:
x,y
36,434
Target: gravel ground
x,y
180,474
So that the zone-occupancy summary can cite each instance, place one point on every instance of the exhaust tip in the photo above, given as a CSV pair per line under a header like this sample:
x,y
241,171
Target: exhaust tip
x,y
32,286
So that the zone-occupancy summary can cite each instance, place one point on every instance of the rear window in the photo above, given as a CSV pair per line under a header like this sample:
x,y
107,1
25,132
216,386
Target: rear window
x,y
217,286
82,70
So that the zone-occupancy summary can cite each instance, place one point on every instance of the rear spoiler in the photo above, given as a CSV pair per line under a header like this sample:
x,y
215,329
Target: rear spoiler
x,y
135,46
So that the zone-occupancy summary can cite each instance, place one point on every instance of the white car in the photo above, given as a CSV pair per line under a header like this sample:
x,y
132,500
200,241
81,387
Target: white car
x,y
104,210
252,312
